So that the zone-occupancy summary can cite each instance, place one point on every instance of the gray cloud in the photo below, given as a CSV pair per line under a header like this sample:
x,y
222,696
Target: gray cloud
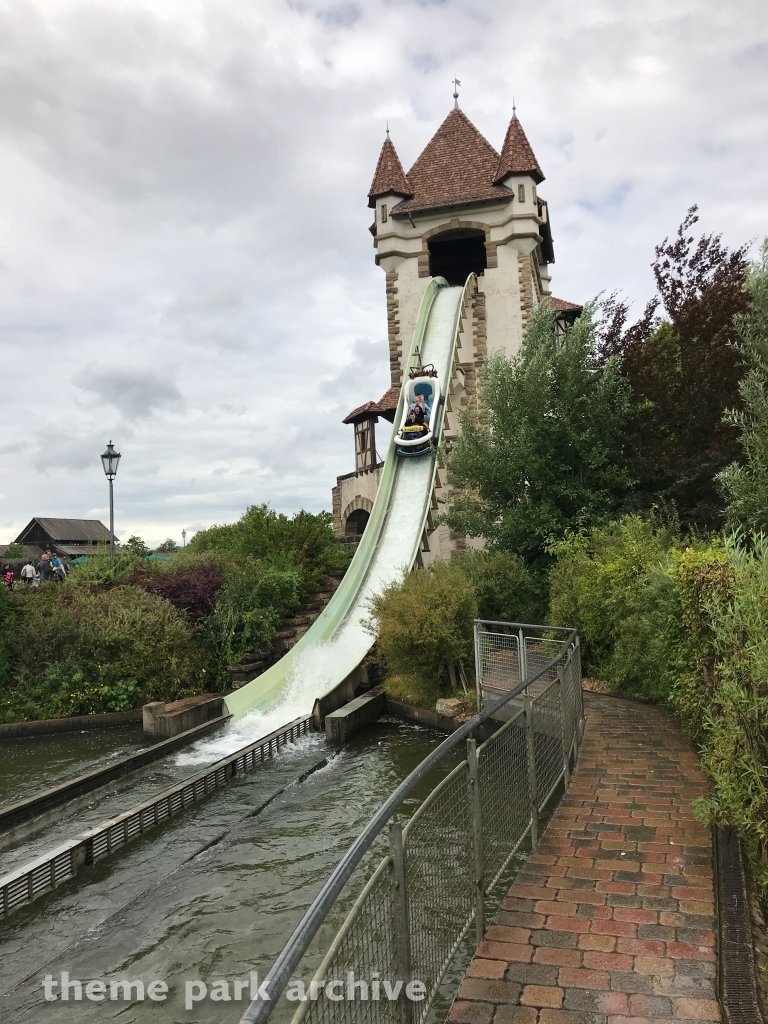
x,y
134,392
185,222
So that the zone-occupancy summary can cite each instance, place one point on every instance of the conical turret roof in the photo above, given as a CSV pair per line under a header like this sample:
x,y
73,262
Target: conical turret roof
x,y
517,157
457,166
389,177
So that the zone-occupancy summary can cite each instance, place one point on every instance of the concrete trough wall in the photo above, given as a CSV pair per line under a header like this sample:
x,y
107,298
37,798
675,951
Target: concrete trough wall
x,y
45,726
344,723
164,721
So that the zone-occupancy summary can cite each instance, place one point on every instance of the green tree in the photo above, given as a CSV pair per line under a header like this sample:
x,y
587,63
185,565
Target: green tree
x,y
167,546
684,372
136,546
746,486
14,551
305,539
542,453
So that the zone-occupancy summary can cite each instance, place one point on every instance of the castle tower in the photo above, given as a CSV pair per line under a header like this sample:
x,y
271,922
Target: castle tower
x,y
462,208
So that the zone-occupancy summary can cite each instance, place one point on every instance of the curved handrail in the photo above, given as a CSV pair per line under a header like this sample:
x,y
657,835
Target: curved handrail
x,y
260,1009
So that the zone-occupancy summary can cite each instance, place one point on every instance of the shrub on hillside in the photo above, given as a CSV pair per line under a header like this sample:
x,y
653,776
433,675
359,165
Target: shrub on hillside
x,y
110,647
190,585
306,540
252,601
424,628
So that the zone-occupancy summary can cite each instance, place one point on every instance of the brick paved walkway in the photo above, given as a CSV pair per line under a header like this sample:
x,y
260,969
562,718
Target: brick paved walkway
x,y
611,921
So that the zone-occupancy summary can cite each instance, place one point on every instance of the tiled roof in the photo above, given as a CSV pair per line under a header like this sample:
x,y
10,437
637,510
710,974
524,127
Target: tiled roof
x,y
388,404
562,306
72,531
458,166
385,407
517,157
369,409
389,177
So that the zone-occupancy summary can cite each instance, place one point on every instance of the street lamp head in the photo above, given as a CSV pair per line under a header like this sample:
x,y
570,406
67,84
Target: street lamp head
x,y
109,461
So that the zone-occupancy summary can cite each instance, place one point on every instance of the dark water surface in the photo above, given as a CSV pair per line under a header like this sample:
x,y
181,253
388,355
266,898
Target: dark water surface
x,y
215,893
33,763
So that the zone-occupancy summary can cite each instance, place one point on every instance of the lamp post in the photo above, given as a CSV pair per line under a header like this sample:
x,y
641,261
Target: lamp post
x,y
184,538
110,460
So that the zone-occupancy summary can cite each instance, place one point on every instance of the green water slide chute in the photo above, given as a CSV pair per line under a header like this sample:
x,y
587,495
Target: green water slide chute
x,y
263,691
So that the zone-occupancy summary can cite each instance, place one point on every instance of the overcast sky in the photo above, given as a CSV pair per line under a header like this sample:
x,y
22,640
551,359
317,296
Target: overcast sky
x,y
185,265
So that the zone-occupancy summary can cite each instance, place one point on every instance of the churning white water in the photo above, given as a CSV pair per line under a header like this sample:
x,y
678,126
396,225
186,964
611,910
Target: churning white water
x,y
318,668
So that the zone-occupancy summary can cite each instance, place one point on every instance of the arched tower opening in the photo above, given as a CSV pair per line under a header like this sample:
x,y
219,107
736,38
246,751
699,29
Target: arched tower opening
x,y
356,524
456,254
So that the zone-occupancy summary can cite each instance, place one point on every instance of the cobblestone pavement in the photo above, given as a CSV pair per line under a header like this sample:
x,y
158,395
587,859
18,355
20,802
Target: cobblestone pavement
x,y
611,921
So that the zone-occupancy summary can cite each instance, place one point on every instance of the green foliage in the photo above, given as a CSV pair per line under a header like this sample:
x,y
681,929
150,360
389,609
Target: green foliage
x,y
74,647
683,623
505,588
611,583
746,486
167,546
543,453
684,371
306,540
136,546
423,623
733,728
13,552
8,616
249,607
96,569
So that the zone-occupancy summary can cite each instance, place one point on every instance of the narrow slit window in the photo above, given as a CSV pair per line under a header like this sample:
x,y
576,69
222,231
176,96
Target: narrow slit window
x,y
521,193
384,213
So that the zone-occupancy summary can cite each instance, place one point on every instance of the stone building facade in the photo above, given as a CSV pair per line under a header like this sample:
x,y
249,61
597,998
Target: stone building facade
x,y
462,208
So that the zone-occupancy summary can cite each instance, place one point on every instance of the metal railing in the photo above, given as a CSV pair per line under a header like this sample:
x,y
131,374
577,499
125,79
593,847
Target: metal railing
x,y
40,876
423,897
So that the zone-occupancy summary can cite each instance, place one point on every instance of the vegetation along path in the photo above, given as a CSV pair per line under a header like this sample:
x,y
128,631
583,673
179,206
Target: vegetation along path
x,y
611,921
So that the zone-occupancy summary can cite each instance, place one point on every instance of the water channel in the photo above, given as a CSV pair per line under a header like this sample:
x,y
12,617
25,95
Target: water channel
x,y
215,893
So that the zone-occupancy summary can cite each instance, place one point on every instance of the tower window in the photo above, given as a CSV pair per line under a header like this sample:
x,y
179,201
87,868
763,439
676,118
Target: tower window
x,y
384,213
455,255
365,444
521,193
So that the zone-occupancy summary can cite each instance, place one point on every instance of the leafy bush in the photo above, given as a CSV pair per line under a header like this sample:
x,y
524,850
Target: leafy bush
x,y
14,552
190,585
729,608
506,589
75,647
423,626
306,540
747,485
611,584
250,605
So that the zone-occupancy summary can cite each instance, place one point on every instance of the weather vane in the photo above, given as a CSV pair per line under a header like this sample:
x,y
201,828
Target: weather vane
x,y
456,84
387,129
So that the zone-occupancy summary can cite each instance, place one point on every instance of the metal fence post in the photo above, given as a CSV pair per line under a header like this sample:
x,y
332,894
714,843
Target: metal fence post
x,y
531,750
478,669
476,817
521,655
401,932
564,726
